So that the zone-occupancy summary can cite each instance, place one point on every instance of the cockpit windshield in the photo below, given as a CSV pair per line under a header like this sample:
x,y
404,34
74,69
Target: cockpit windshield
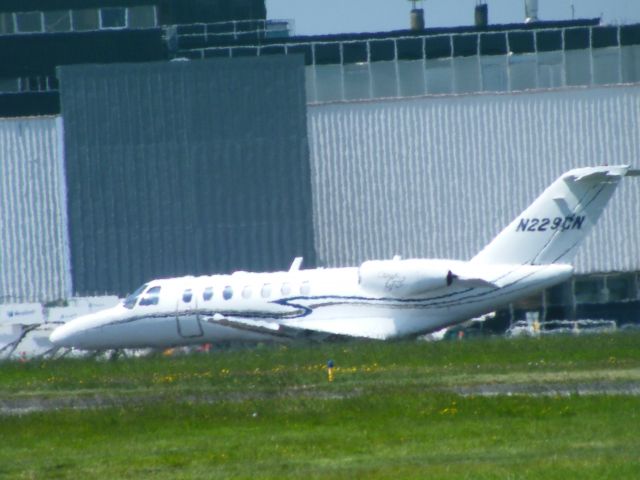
x,y
131,300
151,297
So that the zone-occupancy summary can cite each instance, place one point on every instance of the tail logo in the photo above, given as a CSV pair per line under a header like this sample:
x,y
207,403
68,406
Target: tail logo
x,y
569,222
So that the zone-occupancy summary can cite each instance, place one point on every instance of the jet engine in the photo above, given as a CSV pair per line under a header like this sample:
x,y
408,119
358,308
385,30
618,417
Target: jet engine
x,y
402,278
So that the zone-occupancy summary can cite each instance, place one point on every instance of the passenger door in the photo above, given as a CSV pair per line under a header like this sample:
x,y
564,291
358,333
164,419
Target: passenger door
x,y
187,315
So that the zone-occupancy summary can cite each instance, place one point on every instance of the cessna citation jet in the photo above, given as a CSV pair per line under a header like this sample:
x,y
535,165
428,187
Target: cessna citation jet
x,y
380,299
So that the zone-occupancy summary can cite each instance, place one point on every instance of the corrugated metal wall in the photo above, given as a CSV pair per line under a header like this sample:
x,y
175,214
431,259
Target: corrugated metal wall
x,y
185,168
441,176
34,248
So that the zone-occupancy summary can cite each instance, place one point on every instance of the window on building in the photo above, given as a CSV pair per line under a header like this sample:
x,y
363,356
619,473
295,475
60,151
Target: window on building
x,y
266,290
630,59
52,83
207,294
588,290
606,66
27,22
523,72
227,293
550,69
621,287
187,296
411,78
578,67
493,74
6,23
357,83
328,82
35,84
9,85
384,79
115,17
277,29
152,297
142,17
85,19
466,74
439,76
559,294
57,21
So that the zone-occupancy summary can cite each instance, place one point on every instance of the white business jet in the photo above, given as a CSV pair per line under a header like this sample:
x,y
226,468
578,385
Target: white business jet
x,y
380,299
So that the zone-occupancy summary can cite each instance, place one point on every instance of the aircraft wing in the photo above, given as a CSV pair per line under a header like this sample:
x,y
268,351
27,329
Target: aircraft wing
x,y
377,328
373,328
257,326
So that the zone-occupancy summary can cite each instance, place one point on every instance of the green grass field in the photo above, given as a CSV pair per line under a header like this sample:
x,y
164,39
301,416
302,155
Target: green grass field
x,y
394,410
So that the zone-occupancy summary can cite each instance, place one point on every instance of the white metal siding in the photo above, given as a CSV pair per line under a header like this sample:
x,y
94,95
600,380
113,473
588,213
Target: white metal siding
x,y
34,259
441,176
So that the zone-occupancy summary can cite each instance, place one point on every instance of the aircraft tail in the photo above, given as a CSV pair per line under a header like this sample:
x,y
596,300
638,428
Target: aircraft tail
x,y
552,227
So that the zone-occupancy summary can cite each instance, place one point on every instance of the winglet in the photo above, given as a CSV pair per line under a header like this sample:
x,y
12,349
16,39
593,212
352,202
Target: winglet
x,y
600,174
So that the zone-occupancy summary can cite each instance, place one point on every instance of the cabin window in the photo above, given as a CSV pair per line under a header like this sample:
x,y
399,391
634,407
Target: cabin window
x,y
286,289
131,300
187,296
207,294
266,290
305,288
152,297
227,293
246,292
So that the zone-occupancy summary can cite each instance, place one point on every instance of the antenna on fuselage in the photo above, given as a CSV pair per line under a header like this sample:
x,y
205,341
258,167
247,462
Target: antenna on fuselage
x,y
295,265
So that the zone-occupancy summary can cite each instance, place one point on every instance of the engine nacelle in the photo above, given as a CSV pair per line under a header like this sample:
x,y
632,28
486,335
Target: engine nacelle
x,y
403,278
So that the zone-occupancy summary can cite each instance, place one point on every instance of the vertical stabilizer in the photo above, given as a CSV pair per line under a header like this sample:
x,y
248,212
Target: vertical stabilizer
x,y
552,227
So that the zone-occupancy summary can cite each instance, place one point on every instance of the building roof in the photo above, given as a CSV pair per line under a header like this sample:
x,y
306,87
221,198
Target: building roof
x,y
197,41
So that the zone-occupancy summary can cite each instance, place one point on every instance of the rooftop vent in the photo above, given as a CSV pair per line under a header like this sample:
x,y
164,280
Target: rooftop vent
x,y
417,17
530,11
481,14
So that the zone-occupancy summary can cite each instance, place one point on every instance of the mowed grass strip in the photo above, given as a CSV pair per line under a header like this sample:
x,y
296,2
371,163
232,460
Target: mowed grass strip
x,y
303,366
389,433
271,413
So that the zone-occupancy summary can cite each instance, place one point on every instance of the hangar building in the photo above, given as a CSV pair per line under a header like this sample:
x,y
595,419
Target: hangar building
x,y
418,143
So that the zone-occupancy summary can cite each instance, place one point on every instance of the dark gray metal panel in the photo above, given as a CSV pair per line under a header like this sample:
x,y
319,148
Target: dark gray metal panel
x,y
185,168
